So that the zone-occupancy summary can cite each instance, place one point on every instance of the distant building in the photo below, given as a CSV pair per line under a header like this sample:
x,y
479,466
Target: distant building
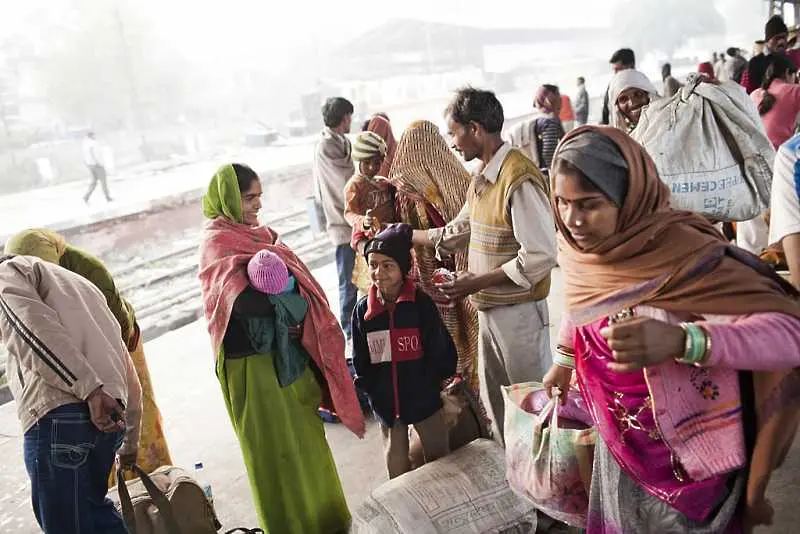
x,y
411,61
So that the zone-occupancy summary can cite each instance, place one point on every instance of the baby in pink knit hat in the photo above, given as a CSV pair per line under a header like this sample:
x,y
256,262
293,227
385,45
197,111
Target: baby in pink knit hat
x,y
268,273
277,332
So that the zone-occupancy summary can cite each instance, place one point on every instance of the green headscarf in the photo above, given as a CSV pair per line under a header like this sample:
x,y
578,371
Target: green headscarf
x,y
52,247
223,197
39,242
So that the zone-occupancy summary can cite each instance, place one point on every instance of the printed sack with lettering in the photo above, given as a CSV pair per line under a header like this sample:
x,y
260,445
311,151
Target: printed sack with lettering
x,y
548,457
710,148
463,493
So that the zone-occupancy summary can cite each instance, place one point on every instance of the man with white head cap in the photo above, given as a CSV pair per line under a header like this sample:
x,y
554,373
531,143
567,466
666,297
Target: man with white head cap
x,y
630,92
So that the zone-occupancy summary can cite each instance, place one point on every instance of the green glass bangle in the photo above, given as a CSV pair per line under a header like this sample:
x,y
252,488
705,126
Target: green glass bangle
x,y
695,344
564,360
698,343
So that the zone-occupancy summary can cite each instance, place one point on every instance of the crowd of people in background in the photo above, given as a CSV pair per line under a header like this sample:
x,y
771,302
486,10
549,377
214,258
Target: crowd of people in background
x,y
684,347
608,203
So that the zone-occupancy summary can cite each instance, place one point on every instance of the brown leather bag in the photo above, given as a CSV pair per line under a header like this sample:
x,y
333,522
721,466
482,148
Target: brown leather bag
x,y
463,417
168,501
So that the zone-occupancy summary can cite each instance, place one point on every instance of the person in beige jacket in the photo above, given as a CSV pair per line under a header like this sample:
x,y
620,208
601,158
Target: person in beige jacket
x,y
77,393
333,167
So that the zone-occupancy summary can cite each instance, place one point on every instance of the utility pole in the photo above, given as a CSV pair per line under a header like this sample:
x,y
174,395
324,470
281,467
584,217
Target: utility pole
x,y
133,95
10,58
428,47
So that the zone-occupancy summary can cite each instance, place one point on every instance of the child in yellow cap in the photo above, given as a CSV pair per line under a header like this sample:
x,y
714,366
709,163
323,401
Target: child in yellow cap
x,y
369,199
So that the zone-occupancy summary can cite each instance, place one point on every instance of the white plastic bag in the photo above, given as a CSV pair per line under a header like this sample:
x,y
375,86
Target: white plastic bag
x,y
710,148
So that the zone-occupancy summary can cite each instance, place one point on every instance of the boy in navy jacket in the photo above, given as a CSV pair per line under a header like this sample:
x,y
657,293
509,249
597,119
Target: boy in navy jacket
x,y
401,352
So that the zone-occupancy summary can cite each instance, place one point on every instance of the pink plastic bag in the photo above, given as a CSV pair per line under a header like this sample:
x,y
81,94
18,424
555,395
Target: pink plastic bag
x,y
548,456
575,409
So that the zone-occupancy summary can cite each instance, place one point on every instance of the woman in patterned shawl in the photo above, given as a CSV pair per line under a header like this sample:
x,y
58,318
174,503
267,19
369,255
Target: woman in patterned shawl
x,y
431,189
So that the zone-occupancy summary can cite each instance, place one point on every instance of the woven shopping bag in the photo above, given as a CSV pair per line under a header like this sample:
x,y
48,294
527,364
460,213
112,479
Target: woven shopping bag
x,y
549,456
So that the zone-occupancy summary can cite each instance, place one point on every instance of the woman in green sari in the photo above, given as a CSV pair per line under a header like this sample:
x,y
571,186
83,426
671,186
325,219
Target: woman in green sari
x,y
292,474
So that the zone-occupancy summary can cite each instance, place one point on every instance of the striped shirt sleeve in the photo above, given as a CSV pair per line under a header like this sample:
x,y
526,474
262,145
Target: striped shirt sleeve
x,y
33,334
551,135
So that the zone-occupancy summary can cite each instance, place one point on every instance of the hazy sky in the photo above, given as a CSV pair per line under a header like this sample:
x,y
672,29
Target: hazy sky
x,y
247,30
224,24
229,24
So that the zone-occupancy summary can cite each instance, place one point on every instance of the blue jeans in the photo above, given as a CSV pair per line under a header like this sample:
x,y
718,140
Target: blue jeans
x,y
69,461
348,292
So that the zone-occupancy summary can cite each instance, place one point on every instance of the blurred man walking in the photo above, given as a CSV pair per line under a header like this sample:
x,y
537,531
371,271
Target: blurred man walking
x,y
93,158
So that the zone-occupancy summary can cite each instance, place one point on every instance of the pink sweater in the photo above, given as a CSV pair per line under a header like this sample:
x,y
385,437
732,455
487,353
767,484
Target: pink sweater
x,y
781,119
708,438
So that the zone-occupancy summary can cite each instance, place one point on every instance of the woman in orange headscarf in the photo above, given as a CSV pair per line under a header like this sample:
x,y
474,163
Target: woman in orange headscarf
x,y
380,125
666,327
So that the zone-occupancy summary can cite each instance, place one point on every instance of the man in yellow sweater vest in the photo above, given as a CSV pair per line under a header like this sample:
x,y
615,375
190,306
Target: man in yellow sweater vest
x,y
508,227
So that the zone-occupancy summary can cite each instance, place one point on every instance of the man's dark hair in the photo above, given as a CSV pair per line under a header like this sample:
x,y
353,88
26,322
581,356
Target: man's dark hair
x,y
733,51
666,70
476,105
245,176
335,110
624,56
581,79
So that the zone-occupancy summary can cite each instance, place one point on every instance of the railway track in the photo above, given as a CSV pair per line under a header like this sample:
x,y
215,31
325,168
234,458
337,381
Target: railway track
x,y
164,288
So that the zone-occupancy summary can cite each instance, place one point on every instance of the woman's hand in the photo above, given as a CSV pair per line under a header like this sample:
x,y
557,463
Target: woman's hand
x,y
559,377
641,342
127,461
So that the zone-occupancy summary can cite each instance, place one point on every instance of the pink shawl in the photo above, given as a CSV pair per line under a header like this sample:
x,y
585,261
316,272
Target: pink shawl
x,y
227,247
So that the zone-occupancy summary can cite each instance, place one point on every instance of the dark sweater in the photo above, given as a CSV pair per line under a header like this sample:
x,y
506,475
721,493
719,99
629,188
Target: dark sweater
x,y
401,354
550,132
249,303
